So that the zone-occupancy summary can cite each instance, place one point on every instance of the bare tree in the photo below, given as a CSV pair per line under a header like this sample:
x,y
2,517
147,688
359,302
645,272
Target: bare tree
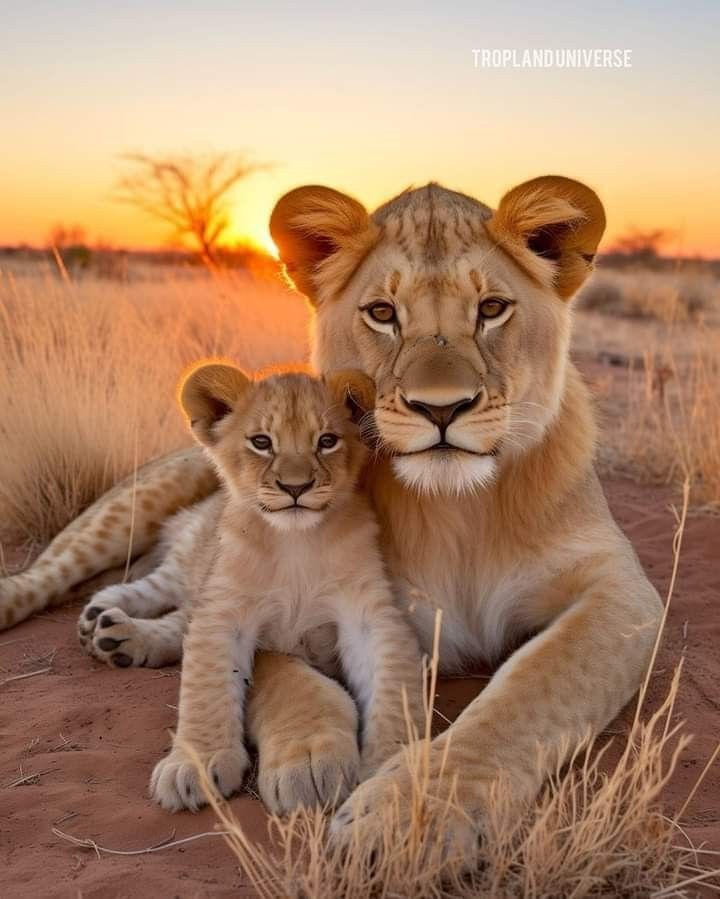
x,y
641,244
189,192
64,236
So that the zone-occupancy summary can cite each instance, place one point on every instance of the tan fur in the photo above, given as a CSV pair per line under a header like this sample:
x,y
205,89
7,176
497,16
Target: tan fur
x,y
270,570
516,546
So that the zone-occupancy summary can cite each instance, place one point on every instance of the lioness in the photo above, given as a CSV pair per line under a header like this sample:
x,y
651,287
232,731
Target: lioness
x,y
488,502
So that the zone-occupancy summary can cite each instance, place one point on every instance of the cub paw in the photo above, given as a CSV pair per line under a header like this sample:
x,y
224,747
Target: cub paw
x,y
319,769
175,782
117,640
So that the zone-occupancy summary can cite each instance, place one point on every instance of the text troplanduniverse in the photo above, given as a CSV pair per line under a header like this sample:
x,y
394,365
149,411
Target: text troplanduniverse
x,y
546,58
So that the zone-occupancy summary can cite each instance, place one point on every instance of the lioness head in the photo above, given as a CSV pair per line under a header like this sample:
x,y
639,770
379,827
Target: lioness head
x,y
458,313
285,445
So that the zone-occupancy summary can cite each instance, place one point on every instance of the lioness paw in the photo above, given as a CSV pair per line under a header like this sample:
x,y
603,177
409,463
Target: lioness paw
x,y
388,804
175,782
320,769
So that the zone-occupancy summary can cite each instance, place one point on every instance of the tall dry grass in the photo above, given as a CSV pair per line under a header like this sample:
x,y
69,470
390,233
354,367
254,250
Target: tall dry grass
x,y
659,403
591,833
671,427
679,295
89,371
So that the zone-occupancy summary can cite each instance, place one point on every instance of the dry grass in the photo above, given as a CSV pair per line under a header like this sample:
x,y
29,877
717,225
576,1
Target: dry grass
x,y
661,413
686,294
89,373
592,832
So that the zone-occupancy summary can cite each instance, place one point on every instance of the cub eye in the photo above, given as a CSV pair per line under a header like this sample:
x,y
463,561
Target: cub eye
x,y
492,308
261,442
383,313
327,441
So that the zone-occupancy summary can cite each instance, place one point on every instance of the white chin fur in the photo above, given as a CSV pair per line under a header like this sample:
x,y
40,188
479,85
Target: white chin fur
x,y
293,520
450,473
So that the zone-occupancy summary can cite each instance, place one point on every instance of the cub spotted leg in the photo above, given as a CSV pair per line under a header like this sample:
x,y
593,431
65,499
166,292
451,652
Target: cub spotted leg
x,y
304,725
124,522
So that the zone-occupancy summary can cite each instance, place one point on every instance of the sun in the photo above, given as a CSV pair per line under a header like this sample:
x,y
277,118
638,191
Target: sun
x,y
267,243
258,236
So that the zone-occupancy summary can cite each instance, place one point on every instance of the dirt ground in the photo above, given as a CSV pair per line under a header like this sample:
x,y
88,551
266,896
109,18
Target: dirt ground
x,y
78,740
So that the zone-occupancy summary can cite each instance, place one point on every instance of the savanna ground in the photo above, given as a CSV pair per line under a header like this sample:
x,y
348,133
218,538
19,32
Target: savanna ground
x,y
86,394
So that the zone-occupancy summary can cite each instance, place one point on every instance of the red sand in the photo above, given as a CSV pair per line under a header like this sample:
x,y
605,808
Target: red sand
x,y
93,734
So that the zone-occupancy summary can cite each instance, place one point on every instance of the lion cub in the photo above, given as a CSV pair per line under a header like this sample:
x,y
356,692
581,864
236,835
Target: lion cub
x,y
292,564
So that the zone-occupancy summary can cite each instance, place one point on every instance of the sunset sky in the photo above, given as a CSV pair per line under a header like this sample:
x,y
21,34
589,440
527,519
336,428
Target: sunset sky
x,y
369,97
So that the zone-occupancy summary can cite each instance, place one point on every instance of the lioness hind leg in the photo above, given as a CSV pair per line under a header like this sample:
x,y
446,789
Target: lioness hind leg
x,y
123,523
121,641
305,727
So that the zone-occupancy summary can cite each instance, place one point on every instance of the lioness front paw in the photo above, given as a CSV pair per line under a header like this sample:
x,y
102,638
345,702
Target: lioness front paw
x,y
389,808
175,782
320,769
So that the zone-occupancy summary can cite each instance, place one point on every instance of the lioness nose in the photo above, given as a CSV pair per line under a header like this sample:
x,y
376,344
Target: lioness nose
x,y
296,490
442,416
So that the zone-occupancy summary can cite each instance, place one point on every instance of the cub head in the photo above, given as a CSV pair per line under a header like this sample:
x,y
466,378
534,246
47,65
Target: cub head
x,y
459,314
286,445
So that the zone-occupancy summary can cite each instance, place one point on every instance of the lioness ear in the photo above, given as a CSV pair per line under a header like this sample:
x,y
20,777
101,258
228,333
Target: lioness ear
x,y
208,393
322,236
556,219
353,388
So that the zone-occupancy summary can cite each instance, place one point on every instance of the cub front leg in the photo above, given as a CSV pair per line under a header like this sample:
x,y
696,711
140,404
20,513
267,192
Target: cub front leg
x,y
217,667
381,659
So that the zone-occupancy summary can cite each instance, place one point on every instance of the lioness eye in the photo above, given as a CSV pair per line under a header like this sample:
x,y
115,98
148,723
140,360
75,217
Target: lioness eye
x,y
327,441
261,442
492,308
384,313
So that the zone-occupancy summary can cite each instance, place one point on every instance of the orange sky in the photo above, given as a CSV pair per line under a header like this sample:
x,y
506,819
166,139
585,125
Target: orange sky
x,y
367,101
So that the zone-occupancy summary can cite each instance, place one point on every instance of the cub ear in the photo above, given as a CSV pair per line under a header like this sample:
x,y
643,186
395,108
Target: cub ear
x,y
208,393
354,389
556,219
322,236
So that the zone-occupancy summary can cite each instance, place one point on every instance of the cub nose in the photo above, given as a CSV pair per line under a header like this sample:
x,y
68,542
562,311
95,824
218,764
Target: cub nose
x,y
442,416
296,490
